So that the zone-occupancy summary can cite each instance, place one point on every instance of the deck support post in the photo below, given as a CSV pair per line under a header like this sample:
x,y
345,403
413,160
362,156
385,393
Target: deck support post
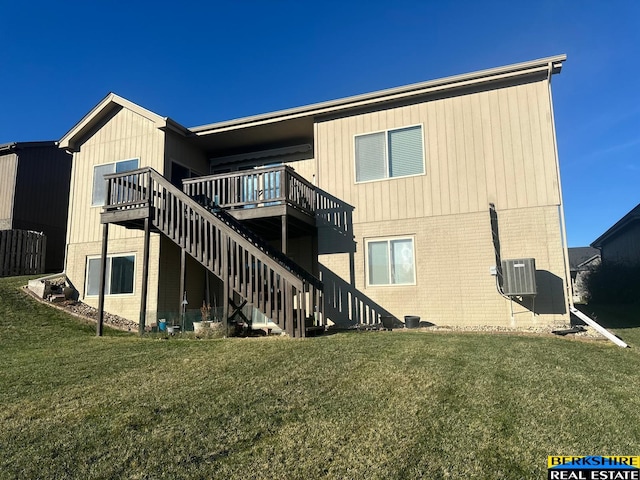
x,y
103,279
315,269
283,221
225,282
352,268
183,270
145,277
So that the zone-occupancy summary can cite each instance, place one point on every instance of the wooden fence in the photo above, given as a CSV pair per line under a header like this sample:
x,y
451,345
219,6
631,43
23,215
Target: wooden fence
x,y
21,252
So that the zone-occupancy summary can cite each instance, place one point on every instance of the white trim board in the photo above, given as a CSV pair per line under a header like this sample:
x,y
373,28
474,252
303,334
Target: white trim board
x,y
599,328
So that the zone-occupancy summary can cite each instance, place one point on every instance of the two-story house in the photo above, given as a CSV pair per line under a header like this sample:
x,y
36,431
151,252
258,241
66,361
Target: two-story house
x,y
397,202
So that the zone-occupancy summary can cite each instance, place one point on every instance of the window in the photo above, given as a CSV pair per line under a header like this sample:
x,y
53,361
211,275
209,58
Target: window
x,y
99,171
389,154
119,276
390,262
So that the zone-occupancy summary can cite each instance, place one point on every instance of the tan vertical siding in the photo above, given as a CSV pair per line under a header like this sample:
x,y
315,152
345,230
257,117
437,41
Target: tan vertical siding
x,y
482,163
493,146
8,174
485,150
489,146
176,149
305,168
125,135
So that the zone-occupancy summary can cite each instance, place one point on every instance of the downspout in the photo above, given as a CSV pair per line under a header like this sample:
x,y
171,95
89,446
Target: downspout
x,y
567,276
563,228
72,185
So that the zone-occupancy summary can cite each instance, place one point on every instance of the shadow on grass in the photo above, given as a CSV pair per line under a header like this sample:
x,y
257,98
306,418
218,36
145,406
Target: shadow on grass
x,y
623,320
613,316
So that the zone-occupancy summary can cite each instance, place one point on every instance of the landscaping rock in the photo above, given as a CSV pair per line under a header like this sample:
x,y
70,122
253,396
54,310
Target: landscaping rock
x,y
87,311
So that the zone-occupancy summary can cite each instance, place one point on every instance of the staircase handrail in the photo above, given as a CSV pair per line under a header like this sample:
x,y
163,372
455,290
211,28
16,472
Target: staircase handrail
x,y
143,198
237,226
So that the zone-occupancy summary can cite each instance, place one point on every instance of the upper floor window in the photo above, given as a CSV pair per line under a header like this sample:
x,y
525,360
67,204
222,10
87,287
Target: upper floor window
x,y
389,154
99,171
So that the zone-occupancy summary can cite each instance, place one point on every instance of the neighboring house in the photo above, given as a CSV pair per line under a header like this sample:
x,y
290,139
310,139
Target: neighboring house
x,y
383,196
621,243
34,196
581,261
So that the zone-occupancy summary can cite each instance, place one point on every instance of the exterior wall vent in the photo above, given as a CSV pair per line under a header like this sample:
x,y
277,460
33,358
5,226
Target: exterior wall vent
x,y
519,277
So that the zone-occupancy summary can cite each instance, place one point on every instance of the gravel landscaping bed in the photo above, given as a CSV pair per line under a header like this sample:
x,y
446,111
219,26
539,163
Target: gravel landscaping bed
x,y
89,313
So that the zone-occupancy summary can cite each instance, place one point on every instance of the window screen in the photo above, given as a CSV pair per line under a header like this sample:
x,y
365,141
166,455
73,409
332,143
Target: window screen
x,y
392,153
370,157
405,152
391,262
119,275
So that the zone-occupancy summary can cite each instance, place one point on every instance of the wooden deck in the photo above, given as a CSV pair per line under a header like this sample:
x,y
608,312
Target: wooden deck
x,y
247,266
273,202
226,223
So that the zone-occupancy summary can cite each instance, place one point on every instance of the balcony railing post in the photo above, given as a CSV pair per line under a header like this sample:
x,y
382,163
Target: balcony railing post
x,y
284,178
255,187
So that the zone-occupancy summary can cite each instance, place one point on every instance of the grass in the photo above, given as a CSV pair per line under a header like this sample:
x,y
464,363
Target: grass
x,y
384,405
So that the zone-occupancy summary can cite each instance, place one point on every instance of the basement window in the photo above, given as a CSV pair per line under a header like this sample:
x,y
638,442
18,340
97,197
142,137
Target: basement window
x,y
389,154
390,261
119,276
99,183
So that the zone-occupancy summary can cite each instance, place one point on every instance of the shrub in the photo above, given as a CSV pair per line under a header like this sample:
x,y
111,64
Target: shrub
x,y
613,283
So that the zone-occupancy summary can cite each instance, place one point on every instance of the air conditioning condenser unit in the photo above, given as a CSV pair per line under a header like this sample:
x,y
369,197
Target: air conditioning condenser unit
x,y
519,277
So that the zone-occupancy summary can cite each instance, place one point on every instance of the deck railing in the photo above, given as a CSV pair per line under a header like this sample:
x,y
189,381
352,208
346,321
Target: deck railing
x,y
246,268
263,187
257,187
335,214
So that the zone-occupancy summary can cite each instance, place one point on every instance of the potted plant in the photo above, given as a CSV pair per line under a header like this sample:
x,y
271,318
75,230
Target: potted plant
x,y
205,314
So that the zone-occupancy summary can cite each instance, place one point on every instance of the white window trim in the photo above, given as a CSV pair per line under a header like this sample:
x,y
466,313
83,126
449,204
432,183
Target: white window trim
x,y
386,152
109,256
388,239
101,165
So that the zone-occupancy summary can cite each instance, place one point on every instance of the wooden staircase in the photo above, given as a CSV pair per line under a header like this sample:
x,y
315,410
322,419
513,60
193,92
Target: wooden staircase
x,y
281,289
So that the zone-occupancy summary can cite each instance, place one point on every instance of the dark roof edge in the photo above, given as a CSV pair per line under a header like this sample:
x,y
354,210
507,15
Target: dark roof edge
x,y
632,216
13,146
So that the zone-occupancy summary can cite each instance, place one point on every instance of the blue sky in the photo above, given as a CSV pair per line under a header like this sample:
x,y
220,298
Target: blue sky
x,y
204,62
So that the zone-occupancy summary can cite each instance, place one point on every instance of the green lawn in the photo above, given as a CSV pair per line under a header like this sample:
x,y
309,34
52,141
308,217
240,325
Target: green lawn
x,y
387,405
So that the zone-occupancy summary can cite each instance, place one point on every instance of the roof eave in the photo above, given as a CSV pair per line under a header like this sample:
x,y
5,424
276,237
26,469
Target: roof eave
x,y
552,65
588,261
632,216
103,108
